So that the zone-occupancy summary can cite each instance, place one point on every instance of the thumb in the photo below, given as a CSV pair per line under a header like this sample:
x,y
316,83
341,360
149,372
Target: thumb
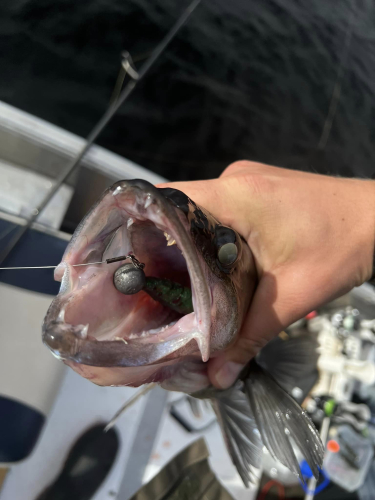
x,y
209,194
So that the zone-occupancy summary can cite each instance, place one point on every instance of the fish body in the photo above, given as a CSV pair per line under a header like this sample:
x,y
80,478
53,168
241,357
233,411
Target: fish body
x,y
117,339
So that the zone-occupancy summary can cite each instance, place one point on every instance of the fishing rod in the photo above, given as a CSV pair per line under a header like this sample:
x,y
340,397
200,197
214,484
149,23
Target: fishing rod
x,y
136,77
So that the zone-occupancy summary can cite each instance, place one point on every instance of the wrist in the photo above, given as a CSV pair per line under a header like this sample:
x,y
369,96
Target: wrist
x,y
372,276
368,211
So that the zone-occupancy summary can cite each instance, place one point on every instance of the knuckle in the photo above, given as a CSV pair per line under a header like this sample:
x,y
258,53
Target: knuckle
x,y
251,177
235,167
250,346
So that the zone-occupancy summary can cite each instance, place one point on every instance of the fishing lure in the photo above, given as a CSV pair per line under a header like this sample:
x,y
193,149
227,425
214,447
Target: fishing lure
x,y
130,279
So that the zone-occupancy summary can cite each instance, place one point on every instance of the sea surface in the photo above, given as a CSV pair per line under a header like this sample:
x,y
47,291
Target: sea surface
x,y
244,79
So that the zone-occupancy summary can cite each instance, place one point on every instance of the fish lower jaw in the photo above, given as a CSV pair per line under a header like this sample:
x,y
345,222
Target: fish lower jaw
x,y
73,344
67,342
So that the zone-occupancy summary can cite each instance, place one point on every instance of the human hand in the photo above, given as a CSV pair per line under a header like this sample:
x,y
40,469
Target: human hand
x,y
312,238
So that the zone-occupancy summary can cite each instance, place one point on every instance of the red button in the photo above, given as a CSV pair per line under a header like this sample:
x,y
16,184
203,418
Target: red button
x,y
311,315
333,446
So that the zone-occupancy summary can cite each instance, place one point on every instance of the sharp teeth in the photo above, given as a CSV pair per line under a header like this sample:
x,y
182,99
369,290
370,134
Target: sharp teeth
x,y
148,201
61,316
130,222
170,240
83,332
122,340
155,330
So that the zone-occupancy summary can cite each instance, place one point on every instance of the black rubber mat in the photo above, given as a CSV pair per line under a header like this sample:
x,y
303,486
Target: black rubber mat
x,y
86,467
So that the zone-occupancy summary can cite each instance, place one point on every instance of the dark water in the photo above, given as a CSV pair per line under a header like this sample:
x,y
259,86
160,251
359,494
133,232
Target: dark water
x,y
244,79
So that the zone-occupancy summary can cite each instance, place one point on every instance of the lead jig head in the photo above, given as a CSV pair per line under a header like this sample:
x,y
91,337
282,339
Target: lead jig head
x,y
129,279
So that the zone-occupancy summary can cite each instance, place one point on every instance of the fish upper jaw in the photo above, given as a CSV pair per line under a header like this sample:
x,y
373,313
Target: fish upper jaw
x,y
90,322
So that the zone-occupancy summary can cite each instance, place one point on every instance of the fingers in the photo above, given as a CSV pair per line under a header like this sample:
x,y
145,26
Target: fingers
x,y
236,198
223,199
209,194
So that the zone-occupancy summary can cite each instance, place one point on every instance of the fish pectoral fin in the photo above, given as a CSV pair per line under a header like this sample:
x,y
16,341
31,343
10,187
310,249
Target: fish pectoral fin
x,y
290,361
240,432
279,418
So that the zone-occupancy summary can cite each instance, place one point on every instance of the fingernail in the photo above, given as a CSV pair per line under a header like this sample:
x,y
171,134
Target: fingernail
x,y
228,374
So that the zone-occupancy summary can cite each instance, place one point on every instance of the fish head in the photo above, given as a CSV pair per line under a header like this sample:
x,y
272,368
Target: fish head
x,y
116,339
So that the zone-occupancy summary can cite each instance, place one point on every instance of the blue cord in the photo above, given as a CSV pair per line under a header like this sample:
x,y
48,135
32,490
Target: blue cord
x,y
307,474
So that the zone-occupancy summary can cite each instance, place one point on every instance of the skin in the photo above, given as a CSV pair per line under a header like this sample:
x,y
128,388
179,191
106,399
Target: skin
x,y
312,239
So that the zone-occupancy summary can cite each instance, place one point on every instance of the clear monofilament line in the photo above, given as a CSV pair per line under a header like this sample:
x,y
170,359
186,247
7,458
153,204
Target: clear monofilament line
x,y
134,261
26,267
48,267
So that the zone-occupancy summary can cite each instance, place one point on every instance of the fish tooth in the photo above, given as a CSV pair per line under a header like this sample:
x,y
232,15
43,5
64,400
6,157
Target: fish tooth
x,y
120,338
130,222
61,316
148,201
83,332
171,241
155,330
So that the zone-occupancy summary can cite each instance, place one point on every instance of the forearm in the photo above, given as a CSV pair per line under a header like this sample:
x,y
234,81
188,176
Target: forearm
x,y
361,198
372,279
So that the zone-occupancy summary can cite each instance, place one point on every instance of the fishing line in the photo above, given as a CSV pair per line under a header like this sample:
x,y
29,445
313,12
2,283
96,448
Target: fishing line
x,y
134,260
99,127
7,231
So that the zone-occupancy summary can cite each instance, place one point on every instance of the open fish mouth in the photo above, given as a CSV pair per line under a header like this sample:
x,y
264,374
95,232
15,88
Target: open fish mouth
x,y
91,322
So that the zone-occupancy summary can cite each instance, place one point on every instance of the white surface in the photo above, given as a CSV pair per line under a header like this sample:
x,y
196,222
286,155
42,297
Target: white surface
x,y
46,143
79,405
22,190
14,219
173,438
28,371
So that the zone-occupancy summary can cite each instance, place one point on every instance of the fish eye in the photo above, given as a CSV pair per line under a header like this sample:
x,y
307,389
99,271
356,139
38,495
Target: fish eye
x,y
227,254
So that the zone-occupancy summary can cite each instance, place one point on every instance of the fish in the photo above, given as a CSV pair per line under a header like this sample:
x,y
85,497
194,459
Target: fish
x,y
117,339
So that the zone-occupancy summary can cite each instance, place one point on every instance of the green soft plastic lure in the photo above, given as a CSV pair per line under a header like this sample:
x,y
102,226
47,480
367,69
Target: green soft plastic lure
x,y
130,279
173,295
